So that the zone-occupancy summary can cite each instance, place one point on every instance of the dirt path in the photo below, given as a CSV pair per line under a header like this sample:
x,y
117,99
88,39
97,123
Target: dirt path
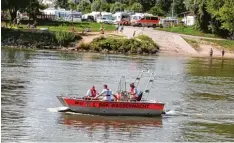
x,y
169,43
173,43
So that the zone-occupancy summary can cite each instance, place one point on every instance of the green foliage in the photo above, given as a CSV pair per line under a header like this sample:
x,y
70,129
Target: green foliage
x,y
33,9
179,7
62,4
136,7
100,5
84,46
117,7
187,30
84,6
34,38
64,38
165,5
72,5
222,11
140,44
156,10
216,16
227,44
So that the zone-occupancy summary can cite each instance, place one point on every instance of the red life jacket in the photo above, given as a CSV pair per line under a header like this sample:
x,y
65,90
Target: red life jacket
x,y
93,92
132,91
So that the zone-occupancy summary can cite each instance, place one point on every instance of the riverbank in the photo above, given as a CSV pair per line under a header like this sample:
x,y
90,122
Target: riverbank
x,y
175,44
111,42
32,38
203,47
88,42
186,30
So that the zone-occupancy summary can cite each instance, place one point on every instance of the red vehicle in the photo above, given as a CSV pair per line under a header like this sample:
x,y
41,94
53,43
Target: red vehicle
x,y
148,21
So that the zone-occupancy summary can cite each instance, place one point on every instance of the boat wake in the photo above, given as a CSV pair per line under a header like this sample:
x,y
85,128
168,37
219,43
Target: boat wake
x,y
58,109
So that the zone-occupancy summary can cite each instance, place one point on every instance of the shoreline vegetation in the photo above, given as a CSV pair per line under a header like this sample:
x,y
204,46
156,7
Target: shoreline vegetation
x,y
227,45
187,30
60,26
140,44
60,40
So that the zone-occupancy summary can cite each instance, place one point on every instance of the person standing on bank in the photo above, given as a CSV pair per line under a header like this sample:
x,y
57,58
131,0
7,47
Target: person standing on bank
x,y
134,34
211,52
223,53
106,93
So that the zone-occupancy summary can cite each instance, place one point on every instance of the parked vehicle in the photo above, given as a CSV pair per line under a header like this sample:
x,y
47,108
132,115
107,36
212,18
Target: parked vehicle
x,y
135,17
148,21
122,18
168,21
88,18
106,18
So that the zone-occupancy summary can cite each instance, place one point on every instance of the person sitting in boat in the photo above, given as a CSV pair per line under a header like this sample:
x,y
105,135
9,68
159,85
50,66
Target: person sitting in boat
x,y
106,93
133,91
91,93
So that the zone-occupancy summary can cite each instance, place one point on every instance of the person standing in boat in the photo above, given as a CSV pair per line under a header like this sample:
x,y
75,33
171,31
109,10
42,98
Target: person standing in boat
x,y
133,91
106,93
91,92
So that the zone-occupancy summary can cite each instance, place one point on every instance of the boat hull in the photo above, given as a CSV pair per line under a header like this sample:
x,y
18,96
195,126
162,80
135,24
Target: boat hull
x,y
112,108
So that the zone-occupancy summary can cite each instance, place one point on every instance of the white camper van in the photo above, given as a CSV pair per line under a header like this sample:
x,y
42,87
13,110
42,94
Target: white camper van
x,y
122,18
106,17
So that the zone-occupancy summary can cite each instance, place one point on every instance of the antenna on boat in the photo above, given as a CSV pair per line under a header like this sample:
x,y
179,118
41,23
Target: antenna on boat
x,y
138,78
119,88
149,84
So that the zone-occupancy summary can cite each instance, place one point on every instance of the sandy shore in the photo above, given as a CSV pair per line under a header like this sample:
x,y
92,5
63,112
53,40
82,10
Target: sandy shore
x,y
169,43
174,44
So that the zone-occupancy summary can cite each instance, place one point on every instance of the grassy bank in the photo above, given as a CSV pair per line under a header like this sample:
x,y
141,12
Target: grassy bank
x,y
226,44
193,43
219,44
37,39
67,26
139,45
186,30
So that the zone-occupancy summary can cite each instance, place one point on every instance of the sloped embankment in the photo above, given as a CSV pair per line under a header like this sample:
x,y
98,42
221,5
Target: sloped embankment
x,y
32,38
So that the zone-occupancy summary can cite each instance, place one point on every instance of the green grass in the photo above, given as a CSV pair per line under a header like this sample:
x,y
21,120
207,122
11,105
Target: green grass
x,y
67,26
227,44
193,43
186,30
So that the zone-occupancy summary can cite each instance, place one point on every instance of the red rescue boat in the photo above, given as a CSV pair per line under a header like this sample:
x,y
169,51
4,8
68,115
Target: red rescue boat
x,y
116,108
124,108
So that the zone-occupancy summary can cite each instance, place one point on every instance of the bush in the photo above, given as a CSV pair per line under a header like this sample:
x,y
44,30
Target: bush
x,y
140,44
64,38
84,46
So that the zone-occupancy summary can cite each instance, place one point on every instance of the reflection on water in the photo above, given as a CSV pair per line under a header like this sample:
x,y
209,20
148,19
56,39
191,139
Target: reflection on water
x,y
199,90
131,126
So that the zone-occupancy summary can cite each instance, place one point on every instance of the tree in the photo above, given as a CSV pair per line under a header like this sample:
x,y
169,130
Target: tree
x,y
222,13
179,7
136,7
13,6
72,5
164,5
98,5
156,10
62,4
84,6
33,9
117,7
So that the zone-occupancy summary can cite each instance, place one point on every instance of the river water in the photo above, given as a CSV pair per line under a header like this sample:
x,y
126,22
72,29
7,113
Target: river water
x,y
198,94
